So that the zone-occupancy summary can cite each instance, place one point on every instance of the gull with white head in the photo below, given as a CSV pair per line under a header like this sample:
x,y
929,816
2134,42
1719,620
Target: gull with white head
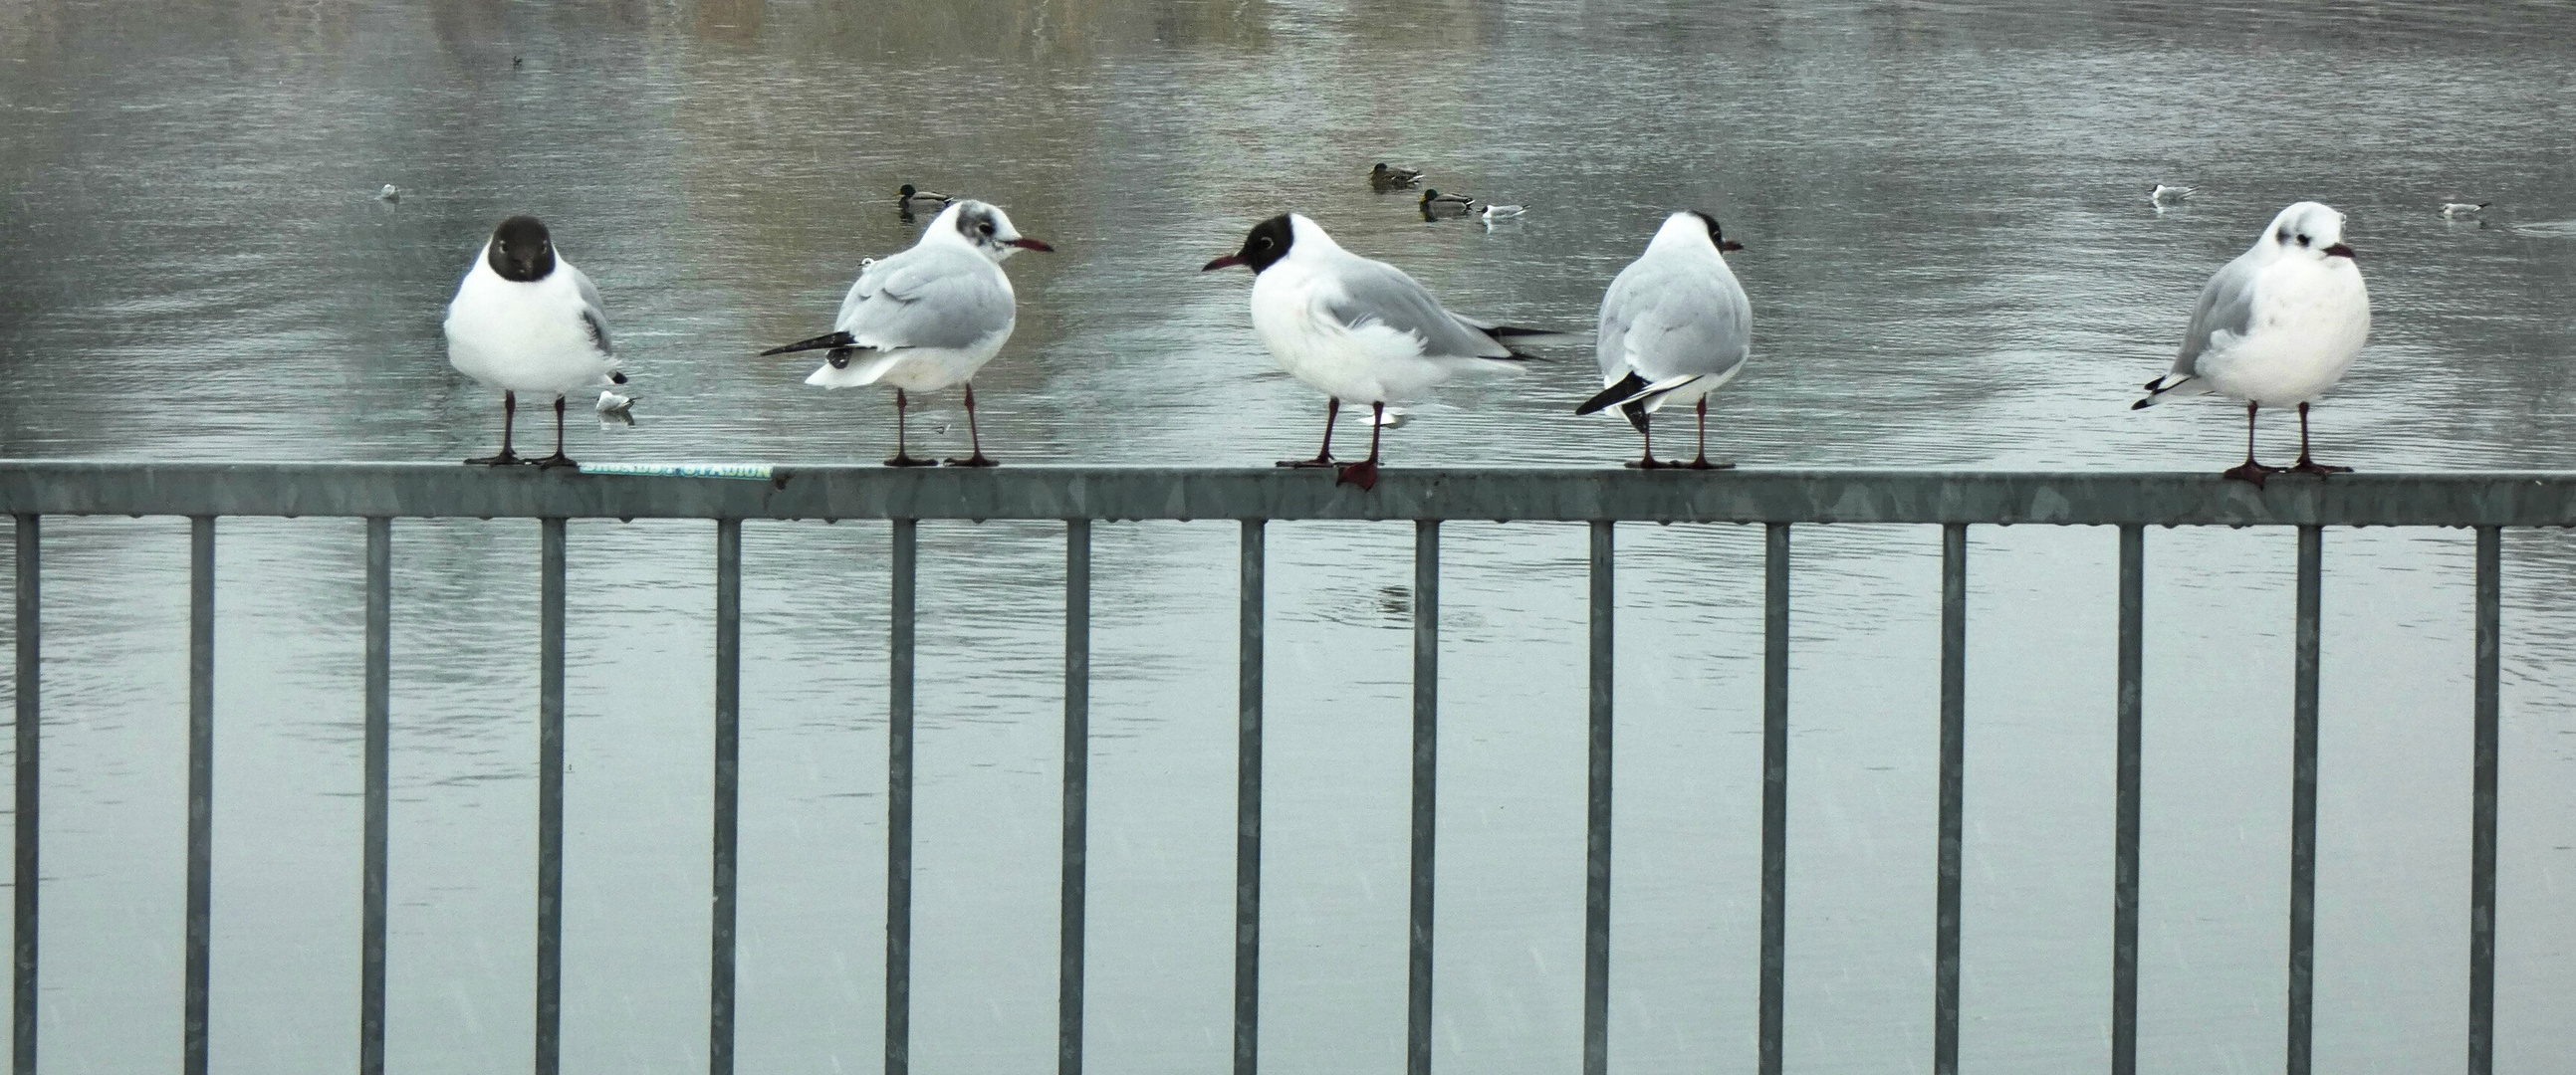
x,y
927,318
2276,327
1675,326
525,320
1356,329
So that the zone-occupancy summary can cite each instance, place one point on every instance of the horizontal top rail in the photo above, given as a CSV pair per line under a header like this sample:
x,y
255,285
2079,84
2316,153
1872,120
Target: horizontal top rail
x,y
867,491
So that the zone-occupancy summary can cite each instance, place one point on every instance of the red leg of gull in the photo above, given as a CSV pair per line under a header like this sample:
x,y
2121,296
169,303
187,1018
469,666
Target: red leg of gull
x,y
2249,470
1646,429
1701,461
1364,472
1324,455
2306,465
902,458
559,459
509,416
976,459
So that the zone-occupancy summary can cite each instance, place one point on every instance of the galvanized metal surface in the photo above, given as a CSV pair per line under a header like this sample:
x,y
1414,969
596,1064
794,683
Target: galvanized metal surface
x,y
1247,801
550,788
2303,808
201,791
1776,498
1954,732
863,492
899,655
1426,789
1077,794
728,796
378,766
1775,796
1596,819
2124,854
22,937
2482,808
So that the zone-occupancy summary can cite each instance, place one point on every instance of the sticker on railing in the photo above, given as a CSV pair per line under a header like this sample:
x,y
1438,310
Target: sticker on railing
x,y
749,471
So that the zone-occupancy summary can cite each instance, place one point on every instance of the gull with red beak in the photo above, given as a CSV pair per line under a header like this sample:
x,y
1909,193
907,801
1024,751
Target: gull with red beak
x,y
2276,327
1356,329
927,318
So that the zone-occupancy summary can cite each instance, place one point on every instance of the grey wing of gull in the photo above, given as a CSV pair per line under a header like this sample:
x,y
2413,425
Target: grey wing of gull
x,y
1375,292
594,313
927,297
1681,323
2226,305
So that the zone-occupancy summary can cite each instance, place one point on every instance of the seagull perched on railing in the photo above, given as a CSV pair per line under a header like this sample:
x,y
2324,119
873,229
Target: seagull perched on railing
x,y
1356,329
2277,326
927,318
525,320
1675,326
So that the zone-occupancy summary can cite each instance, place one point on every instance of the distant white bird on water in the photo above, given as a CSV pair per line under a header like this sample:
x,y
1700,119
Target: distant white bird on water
x,y
2164,195
525,320
1356,329
613,407
2277,326
1494,213
2460,209
1675,326
391,193
927,318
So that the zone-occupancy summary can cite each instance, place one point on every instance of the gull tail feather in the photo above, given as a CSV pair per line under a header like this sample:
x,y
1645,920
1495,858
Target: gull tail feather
x,y
1623,392
833,339
2169,383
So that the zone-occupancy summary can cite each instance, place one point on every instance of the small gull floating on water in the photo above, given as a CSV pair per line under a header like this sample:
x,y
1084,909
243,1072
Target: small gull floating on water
x,y
2164,195
391,193
2452,210
616,408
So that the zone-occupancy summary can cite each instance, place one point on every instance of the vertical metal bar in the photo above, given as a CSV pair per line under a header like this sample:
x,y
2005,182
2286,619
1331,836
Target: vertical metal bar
x,y
201,786
1426,772
1954,736
1077,793
2124,878
1775,791
1247,806
1596,829
371,916
898,989
2303,809
550,758
2482,827
22,1000
728,794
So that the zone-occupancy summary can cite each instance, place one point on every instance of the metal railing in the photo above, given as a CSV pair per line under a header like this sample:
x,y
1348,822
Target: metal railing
x,y
1777,500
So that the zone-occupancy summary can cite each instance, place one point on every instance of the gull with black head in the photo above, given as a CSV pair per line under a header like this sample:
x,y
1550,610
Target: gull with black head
x,y
2276,327
927,318
525,320
1356,329
1675,326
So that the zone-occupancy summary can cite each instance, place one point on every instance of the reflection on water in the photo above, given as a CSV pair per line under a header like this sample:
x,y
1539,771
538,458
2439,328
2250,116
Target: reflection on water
x,y
1953,263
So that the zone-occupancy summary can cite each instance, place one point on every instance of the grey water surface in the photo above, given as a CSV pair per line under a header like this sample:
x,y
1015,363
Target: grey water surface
x,y
1952,263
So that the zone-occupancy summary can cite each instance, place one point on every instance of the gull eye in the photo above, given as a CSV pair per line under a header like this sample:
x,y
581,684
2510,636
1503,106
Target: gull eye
x,y
1262,242
985,227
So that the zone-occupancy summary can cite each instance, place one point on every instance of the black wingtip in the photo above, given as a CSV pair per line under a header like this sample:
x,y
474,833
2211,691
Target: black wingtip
x,y
2142,404
616,378
836,339
1614,394
1635,409
1506,331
